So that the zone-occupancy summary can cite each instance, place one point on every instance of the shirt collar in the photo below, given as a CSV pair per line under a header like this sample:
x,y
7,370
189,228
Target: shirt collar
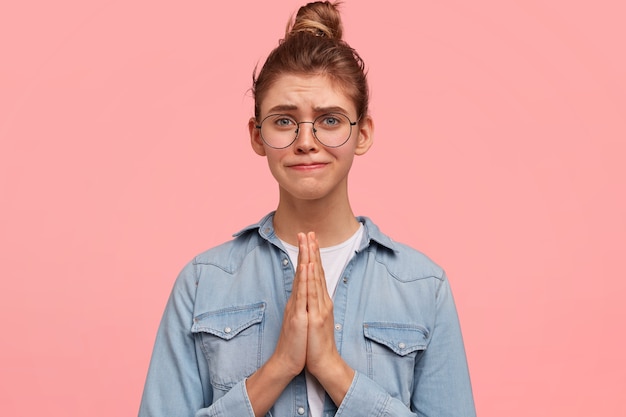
x,y
265,228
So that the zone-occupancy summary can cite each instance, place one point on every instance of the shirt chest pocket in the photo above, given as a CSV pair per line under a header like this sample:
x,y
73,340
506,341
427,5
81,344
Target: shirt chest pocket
x,y
392,350
231,341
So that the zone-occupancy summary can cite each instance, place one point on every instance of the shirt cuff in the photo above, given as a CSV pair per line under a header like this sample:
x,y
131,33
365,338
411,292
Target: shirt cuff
x,y
364,398
234,403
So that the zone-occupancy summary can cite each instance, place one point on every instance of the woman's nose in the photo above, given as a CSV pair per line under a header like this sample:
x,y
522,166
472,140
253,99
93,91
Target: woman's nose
x,y
305,138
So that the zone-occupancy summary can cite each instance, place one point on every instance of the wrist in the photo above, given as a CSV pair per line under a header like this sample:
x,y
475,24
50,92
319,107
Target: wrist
x,y
282,368
336,378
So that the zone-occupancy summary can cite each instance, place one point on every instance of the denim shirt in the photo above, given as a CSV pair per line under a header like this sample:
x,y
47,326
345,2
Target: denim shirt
x,y
395,324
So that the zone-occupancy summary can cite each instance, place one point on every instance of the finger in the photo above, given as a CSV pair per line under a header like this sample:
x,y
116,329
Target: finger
x,y
300,288
303,249
300,279
314,253
313,291
315,261
318,293
316,258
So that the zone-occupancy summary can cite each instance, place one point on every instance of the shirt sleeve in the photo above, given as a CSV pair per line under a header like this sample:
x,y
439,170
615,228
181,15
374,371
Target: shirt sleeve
x,y
174,384
441,385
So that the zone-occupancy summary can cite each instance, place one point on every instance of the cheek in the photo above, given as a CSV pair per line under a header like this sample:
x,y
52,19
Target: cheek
x,y
345,153
273,155
345,159
273,160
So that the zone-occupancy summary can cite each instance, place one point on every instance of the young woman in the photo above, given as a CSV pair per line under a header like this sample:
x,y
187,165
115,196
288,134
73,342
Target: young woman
x,y
312,311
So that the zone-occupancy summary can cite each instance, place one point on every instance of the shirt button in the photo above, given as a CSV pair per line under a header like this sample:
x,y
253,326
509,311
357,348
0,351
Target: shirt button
x,y
285,262
401,345
337,326
301,410
345,280
227,330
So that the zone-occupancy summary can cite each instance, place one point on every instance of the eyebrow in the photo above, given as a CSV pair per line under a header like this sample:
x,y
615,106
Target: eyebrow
x,y
282,107
291,107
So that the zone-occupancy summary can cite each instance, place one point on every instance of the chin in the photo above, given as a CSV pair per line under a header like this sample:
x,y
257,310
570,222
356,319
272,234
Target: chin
x,y
308,196
311,194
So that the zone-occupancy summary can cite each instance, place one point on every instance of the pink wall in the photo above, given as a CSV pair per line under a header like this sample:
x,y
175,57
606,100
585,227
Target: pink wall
x,y
500,147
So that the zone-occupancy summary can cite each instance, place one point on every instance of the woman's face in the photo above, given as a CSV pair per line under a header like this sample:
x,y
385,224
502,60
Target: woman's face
x,y
307,169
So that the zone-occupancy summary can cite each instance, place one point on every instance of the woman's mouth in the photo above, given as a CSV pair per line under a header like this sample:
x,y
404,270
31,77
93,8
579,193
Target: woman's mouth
x,y
308,166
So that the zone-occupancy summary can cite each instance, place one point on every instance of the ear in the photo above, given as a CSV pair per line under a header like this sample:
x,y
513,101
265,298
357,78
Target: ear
x,y
255,137
366,136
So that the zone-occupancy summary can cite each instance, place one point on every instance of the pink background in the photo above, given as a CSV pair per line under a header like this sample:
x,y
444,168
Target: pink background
x,y
500,147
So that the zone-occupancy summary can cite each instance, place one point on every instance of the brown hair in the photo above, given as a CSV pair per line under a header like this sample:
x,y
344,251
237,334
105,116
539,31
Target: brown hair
x,y
313,45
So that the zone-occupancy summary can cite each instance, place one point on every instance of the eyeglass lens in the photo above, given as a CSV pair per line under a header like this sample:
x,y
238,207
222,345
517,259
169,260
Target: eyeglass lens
x,y
331,130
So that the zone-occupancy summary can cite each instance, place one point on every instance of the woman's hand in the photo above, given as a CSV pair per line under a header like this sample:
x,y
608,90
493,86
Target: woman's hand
x,y
321,348
307,337
322,358
291,348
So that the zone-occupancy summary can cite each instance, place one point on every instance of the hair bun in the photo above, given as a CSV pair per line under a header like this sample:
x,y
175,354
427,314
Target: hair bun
x,y
320,18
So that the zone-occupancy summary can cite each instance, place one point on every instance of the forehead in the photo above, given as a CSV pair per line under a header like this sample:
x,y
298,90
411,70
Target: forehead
x,y
306,93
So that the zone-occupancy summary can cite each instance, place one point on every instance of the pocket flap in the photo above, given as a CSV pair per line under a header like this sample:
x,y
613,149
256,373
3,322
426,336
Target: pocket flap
x,y
229,322
400,338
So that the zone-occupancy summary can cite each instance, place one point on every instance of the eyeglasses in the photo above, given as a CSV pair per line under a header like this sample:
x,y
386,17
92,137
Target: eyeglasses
x,y
332,130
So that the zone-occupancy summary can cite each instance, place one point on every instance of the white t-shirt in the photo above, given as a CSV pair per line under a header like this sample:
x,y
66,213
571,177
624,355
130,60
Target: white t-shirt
x,y
334,260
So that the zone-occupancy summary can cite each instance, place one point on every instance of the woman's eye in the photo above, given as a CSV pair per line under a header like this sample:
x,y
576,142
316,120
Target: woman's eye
x,y
284,122
330,121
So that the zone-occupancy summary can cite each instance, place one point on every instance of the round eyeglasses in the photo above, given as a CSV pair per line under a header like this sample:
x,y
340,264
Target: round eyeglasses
x,y
332,130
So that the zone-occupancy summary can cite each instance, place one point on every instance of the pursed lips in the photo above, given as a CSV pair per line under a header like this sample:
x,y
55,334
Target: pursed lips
x,y
307,165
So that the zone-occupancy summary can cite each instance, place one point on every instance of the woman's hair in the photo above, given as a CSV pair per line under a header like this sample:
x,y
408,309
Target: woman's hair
x,y
313,46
